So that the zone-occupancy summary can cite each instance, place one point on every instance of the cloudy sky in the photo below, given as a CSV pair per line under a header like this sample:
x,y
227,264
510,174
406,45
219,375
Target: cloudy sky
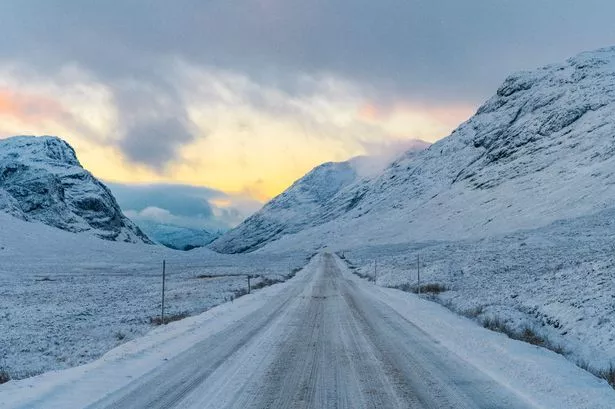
x,y
238,98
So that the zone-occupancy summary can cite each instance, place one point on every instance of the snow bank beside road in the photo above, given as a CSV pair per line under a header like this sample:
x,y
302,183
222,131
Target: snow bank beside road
x,y
555,280
542,377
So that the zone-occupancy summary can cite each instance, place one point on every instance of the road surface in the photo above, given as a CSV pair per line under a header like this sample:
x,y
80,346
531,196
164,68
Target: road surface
x,y
326,343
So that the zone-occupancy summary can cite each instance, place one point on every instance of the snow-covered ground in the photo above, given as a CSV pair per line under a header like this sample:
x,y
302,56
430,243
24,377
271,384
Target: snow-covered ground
x,y
66,298
556,280
455,363
537,156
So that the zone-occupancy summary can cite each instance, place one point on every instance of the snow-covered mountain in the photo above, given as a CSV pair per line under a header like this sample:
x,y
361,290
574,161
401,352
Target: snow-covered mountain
x,y
541,149
42,180
177,237
305,204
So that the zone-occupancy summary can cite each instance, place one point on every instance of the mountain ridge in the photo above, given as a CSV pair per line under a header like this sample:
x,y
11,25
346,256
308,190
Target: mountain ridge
x,y
276,217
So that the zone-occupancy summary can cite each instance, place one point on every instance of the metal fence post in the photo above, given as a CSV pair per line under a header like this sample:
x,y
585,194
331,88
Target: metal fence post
x,y
164,265
376,271
418,273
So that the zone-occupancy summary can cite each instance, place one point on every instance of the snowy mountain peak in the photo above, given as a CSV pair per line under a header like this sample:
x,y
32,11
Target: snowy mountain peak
x,y
41,149
318,185
555,111
298,207
42,180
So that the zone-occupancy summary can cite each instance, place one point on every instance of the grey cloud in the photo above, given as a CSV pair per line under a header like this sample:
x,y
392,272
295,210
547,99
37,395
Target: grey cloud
x,y
155,142
440,52
182,200
425,49
153,117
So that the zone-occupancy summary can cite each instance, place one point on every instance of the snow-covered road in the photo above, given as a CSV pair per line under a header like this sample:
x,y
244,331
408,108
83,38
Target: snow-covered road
x,y
325,344
324,340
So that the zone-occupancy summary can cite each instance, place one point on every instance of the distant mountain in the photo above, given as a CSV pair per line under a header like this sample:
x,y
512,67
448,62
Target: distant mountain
x,y
297,208
177,237
42,180
541,149
305,204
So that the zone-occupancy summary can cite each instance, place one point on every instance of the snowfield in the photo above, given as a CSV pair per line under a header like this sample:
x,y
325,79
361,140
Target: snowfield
x,y
556,280
512,216
389,349
65,299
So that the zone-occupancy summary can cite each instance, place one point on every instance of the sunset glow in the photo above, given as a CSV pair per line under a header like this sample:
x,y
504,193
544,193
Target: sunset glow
x,y
240,147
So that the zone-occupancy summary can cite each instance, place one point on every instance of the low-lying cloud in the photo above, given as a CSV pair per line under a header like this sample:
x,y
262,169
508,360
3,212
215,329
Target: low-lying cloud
x,y
183,205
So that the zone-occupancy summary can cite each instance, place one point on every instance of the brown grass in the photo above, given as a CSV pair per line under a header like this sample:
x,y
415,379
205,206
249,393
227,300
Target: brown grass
x,y
430,288
4,376
168,318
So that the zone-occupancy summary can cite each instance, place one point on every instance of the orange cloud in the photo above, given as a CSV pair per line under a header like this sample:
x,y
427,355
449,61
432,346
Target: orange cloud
x,y
28,107
411,120
370,112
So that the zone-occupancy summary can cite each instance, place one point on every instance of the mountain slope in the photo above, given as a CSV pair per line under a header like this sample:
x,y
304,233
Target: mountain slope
x,y
323,194
540,150
41,179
